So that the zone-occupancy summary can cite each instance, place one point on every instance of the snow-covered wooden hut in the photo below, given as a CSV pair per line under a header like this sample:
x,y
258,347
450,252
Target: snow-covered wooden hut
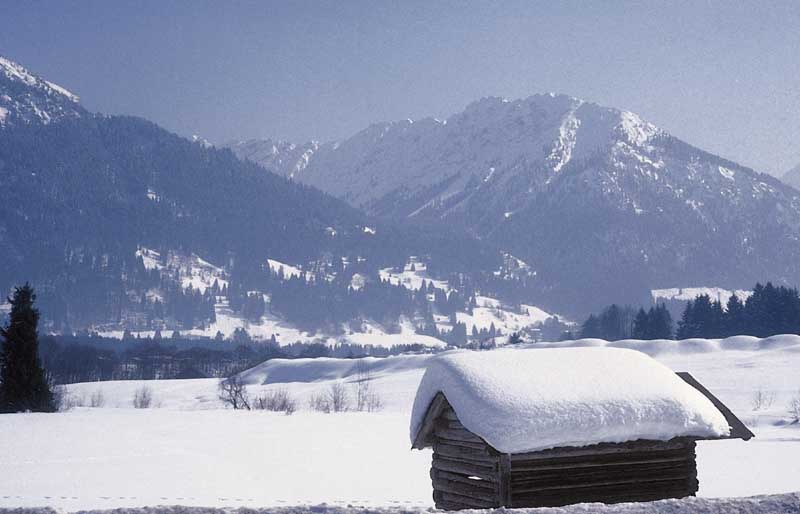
x,y
551,427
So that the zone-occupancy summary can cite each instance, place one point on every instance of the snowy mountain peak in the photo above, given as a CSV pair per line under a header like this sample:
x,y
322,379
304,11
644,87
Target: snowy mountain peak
x,y
636,130
586,193
28,98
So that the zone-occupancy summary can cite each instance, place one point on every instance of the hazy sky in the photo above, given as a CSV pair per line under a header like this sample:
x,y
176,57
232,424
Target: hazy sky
x,y
723,76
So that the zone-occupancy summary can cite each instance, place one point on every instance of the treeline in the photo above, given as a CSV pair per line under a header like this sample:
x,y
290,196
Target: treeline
x,y
623,322
770,310
90,358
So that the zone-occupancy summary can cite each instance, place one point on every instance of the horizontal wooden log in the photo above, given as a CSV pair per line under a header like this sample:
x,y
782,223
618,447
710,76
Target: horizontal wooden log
x,y
457,477
457,435
475,503
607,494
615,469
461,453
449,506
465,489
674,461
466,444
476,449
595,482
567,479
601,467
602,459
464,469
607,448
586,476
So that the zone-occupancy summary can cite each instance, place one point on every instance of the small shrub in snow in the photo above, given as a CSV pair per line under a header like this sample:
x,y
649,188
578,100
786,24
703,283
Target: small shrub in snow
x,y
762,399
374,403
64,400
233,393
320,403
794,407
339,400
335,399
97,399
276,401
143,398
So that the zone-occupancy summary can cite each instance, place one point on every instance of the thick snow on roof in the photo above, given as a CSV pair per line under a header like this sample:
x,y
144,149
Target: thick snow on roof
x,y
522,400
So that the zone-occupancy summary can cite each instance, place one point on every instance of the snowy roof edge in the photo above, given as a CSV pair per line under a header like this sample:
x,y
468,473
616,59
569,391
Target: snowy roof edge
x,y
738,429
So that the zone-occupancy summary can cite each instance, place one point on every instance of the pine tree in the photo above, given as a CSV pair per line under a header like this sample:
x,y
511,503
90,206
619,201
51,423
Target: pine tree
x,y
23,384
660,322
515,338
734,316
641,325
591,327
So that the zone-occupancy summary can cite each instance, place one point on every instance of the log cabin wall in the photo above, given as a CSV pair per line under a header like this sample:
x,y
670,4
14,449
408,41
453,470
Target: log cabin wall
x,y
609,473
467,473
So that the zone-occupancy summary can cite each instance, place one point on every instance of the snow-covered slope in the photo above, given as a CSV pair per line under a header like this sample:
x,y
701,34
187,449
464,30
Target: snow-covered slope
x,y
594,198
27,98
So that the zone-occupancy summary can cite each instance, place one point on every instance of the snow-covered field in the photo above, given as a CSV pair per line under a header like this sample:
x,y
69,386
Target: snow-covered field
x,y
190,451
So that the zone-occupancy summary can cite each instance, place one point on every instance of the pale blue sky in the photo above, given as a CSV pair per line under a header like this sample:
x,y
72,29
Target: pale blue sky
x,y
724,76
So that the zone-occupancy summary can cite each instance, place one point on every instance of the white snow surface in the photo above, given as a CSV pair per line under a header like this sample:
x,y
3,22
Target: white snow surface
x,y
763,504
522,400
191,451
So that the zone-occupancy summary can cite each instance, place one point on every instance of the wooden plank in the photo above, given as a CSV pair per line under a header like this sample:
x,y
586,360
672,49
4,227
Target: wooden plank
x,y
423,437
475,449
685,466
478,466
458,477
589,461
466,444
462,453
571,483
640,445
464,500
449,505
738,429
449,486
464,469
606,494
457,435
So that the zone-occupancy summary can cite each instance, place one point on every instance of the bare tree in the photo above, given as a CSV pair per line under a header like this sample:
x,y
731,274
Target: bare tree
x,y
233,393
794,407
366,398
143,398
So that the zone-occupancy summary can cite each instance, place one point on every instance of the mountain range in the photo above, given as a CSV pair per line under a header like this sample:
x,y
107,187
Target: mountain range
x,y
548,201
85,193
597,200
